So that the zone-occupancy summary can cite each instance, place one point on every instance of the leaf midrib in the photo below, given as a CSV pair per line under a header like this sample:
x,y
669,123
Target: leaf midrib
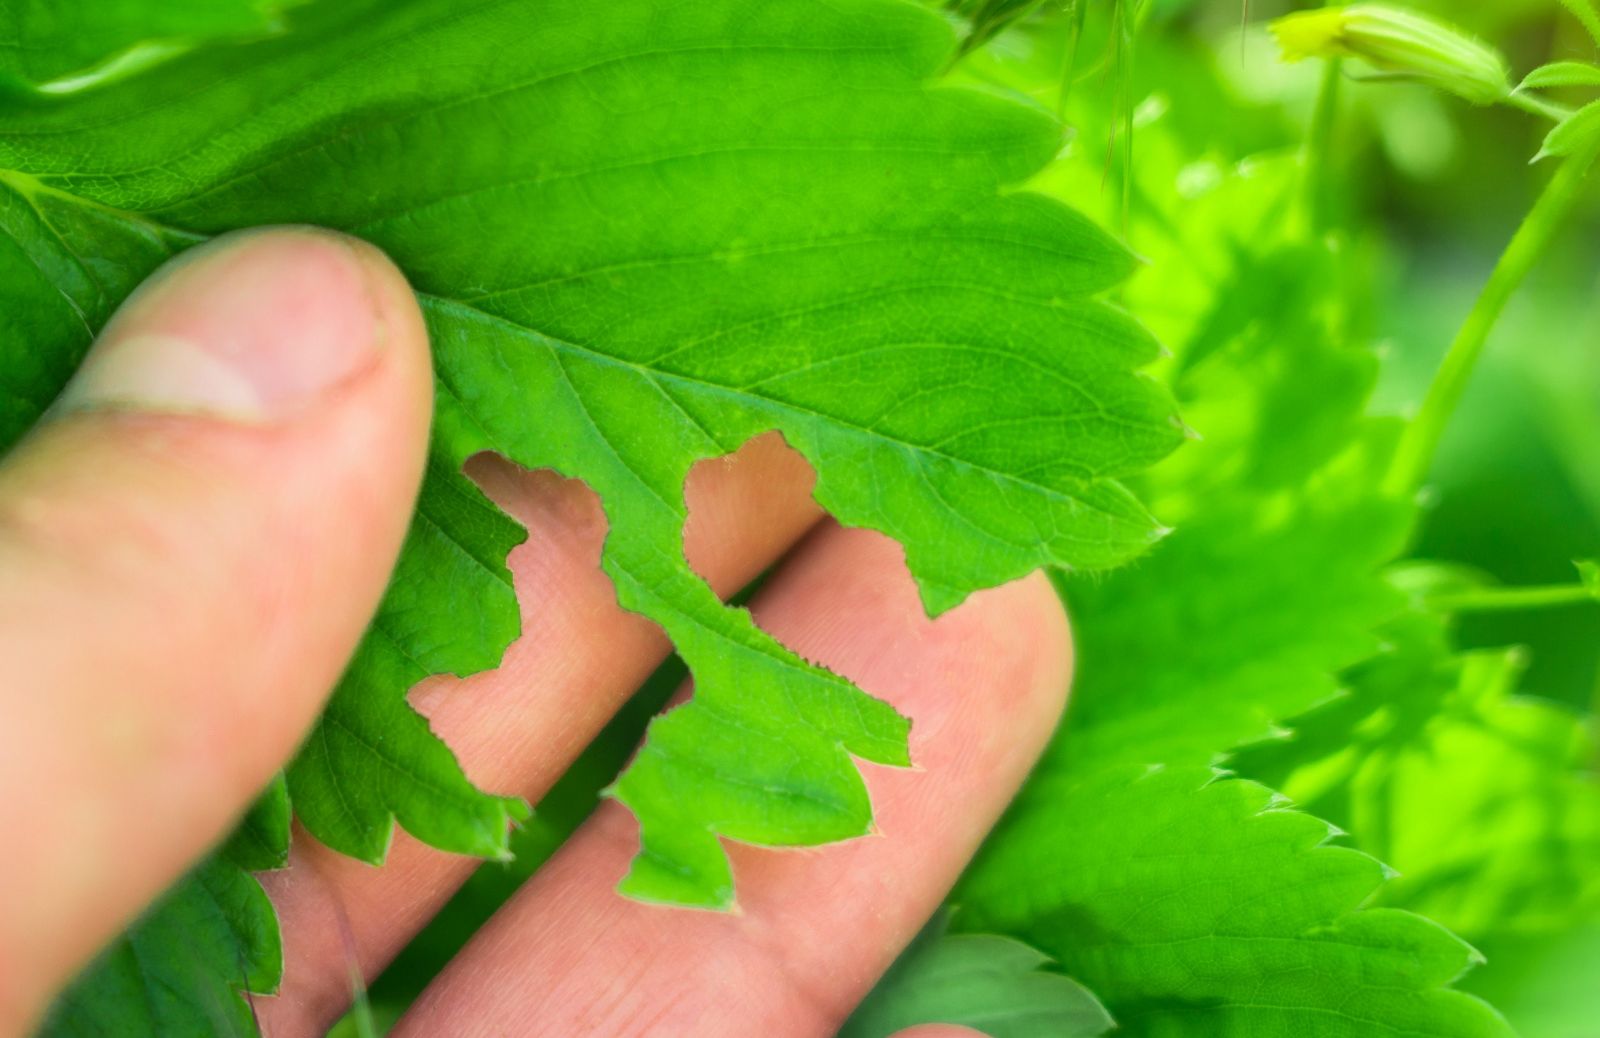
x,y
25,183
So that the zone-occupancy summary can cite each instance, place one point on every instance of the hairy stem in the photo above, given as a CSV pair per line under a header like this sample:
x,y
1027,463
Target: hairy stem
x,y
1544,221
1537,105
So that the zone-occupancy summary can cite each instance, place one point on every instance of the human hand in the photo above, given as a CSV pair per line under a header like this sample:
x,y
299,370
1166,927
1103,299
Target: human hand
x,y
192,545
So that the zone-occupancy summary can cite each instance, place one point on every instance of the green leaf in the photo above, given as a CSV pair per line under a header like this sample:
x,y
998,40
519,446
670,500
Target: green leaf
x,y
1188,904
1272,390
991,984
1562,74
64,266
1272,581
1585,12
1408,682
1577,136
63,46
1237,622
261,840
639,241
1196,905
182,967
180,970
1491,811
1484,800
450,609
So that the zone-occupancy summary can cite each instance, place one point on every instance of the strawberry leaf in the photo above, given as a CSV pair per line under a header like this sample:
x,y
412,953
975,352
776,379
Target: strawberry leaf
x,y
63,46
1577,136
1243,645
181,968
1192,904
1482,798
981,981
640,241
1562,74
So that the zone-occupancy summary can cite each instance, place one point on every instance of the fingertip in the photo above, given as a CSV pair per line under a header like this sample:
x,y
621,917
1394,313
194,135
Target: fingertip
x,y
1024,627
256,326
999,663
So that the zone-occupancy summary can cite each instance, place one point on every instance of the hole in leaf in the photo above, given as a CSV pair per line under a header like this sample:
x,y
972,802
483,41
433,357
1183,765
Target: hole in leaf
x,y
746,509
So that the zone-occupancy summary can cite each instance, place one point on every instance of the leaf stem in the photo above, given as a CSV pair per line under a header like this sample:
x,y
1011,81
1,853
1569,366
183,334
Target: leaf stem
x,y
1544,221
1511,599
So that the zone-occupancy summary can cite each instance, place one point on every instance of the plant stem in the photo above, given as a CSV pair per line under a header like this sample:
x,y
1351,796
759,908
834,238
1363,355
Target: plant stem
x,y
1317,158
1537,105
1544,221
1510,599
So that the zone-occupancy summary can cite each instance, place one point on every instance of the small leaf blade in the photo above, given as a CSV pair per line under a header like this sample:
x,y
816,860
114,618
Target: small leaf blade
x,y
1562,74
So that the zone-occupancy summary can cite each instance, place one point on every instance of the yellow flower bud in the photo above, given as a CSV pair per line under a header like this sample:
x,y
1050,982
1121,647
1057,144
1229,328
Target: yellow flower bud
x,y
1400,44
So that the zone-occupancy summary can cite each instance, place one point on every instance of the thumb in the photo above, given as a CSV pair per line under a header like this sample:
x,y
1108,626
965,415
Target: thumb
x,y
190,547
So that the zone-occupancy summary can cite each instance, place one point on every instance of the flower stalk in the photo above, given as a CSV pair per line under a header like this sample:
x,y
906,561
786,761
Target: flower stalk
x,y
1549,215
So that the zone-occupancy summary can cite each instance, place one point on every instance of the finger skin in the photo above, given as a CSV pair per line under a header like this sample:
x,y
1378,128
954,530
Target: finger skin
x,y
939,1031
181,591
517,728
984,686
